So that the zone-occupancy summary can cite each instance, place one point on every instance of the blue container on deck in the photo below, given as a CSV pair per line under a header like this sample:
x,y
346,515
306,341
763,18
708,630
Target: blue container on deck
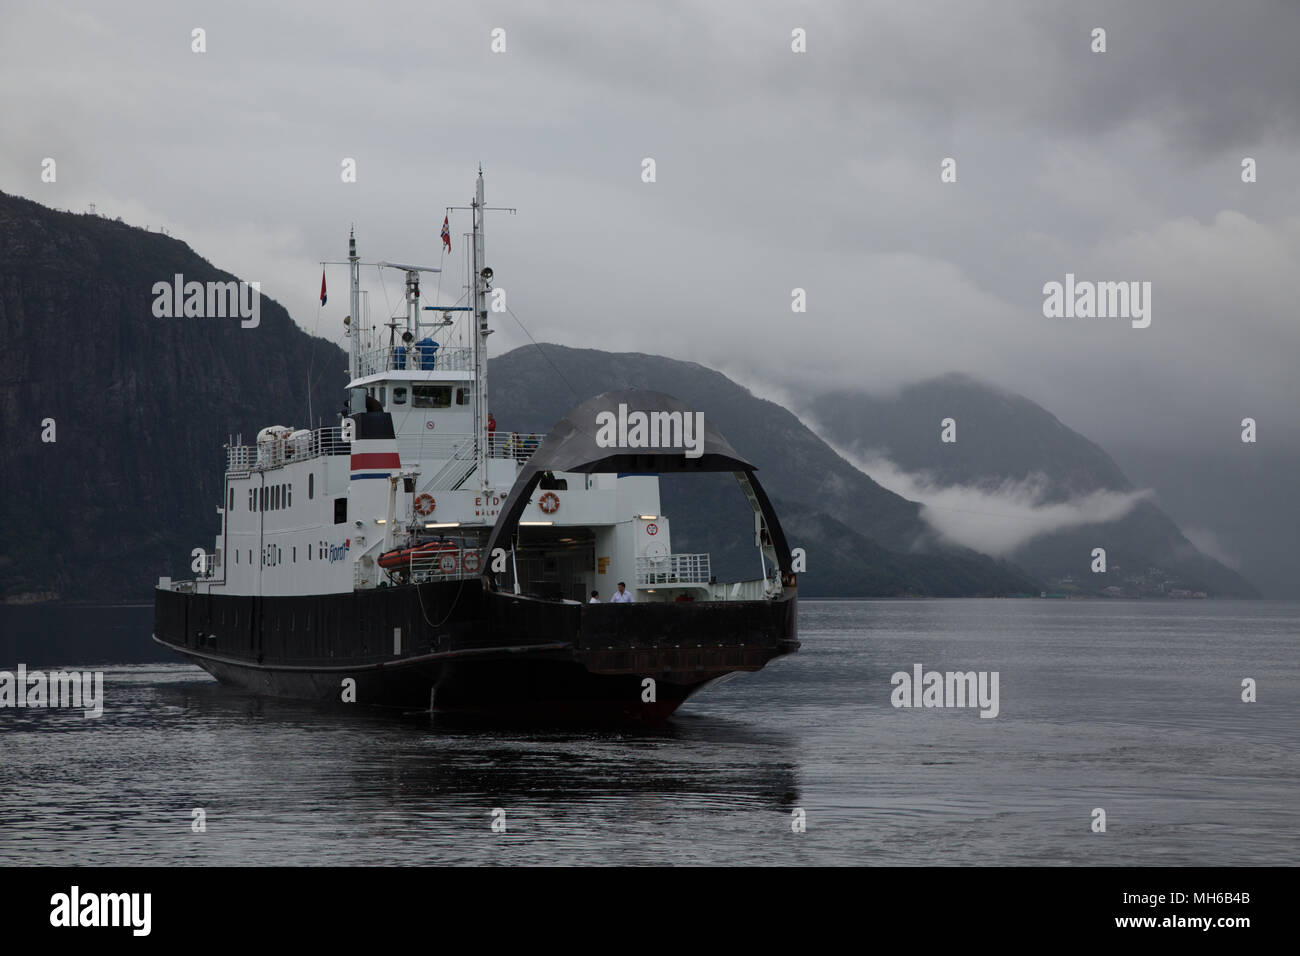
x,y
399,357
425,350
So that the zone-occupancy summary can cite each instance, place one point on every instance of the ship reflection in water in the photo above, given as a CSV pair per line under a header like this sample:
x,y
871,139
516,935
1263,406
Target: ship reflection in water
x,y
296,783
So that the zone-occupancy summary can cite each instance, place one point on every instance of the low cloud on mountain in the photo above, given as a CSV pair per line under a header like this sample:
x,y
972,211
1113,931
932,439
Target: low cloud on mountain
x,y
995,519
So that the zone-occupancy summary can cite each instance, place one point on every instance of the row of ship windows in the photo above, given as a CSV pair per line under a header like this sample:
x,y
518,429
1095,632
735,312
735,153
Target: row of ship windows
x,y
273,554
422,396
273,497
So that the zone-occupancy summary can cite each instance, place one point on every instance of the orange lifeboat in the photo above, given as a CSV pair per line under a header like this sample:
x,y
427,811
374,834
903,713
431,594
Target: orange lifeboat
x,y
399,559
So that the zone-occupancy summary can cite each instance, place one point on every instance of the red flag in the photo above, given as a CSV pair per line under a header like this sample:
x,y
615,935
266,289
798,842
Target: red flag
x,y
446,234
322,287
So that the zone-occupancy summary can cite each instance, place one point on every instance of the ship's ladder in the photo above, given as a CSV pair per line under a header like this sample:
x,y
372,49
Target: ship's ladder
x,y
456,471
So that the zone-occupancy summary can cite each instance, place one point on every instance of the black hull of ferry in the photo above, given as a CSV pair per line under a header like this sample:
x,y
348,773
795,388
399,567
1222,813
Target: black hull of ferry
x,y
454,647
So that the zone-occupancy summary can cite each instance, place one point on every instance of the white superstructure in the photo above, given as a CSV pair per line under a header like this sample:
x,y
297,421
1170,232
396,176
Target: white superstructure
x,y
311,511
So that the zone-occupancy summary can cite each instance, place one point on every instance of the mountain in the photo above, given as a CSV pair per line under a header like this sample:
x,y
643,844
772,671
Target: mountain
x,y
1236,503
141,405
861,539
1000,436
1005,441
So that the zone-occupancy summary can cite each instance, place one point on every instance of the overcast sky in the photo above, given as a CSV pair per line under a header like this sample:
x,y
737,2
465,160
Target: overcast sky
x,y
775,170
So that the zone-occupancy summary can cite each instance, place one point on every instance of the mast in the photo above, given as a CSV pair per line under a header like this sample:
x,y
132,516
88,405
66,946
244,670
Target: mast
x,y
412,304
354,359
479,286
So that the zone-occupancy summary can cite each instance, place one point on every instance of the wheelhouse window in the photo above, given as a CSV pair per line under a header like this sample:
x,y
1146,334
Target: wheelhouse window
x,y
232,499
288,489
431,396
311,486
399,394
462,396
340,510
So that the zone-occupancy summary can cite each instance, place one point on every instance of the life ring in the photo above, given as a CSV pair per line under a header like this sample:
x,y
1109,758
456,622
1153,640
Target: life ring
x,y
447,562
471,561
549,503
424,504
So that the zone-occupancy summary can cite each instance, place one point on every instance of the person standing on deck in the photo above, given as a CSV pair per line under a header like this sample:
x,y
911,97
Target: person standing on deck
x,y
595,597
622,595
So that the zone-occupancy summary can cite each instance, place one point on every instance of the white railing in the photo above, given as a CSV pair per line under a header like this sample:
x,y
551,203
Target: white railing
x,y
517,445
432,446
673,569
448,565
281,451
411,358
429,446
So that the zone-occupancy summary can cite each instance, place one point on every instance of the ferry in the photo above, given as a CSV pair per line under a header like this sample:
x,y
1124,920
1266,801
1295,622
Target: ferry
x,y
413,556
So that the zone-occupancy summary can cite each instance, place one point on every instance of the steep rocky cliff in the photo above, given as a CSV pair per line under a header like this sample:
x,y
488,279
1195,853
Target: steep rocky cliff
x,y
141,405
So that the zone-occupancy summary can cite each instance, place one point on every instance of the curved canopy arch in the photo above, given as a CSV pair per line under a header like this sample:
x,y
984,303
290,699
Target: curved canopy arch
x,y
607,434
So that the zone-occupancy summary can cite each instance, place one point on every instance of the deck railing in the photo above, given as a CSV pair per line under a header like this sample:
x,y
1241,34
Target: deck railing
x,y
281,451
442,446
448,565
413,358
673,569
430,446
517,445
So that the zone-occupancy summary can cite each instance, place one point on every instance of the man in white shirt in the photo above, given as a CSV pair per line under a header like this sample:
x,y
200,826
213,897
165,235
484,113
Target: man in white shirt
x,y
622,595
595,597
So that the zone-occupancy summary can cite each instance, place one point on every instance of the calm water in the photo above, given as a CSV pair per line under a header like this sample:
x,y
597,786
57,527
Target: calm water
x,y
1132,707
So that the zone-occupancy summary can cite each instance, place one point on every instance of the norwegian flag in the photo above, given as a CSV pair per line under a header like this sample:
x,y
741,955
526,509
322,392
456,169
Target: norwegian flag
x,y
446,234
322,287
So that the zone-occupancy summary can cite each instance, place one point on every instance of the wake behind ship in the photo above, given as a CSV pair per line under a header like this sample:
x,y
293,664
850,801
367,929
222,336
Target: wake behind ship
x,y
415,557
